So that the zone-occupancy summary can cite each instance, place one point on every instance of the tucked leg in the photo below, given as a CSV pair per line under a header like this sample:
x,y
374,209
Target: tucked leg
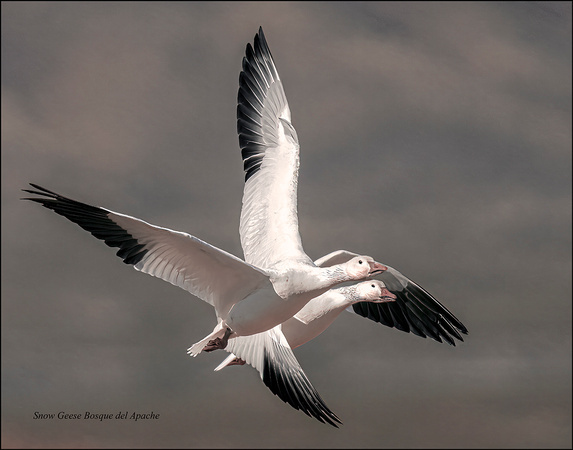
x,y
196,348
218,343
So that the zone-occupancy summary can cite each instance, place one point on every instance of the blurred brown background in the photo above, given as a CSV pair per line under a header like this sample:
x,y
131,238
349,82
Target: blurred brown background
x,y
435,137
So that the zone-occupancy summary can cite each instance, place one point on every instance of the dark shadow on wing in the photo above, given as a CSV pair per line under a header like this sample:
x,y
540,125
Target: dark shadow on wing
x,y
92,219
415,310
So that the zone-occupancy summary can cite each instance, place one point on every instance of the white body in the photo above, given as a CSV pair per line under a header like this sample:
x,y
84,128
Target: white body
x,y
315,317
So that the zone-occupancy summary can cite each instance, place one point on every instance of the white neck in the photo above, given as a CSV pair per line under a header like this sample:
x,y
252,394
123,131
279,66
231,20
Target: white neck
x,y
350,294
307,279
333,301
336,273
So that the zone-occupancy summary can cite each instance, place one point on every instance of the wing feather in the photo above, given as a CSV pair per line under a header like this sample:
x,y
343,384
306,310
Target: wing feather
x,y
415,309
270,354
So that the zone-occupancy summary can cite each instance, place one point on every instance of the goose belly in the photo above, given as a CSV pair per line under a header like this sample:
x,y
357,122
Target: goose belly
x,y
263,310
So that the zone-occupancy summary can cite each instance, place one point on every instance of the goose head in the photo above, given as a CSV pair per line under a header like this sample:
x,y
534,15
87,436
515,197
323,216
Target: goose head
x,y
361,267
374,291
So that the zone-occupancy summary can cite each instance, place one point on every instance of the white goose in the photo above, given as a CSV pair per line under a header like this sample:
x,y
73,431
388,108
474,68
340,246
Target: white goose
x,y
270,237
316,316
395,302
247,299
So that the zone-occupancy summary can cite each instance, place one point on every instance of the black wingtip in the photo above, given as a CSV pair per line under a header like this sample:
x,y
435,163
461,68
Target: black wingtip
x,y
94,219
43,189
261,35
415,310
294,388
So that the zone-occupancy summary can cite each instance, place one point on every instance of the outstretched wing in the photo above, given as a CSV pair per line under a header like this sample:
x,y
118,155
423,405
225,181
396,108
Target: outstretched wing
x,y
270,150
415,309
207,272
270,353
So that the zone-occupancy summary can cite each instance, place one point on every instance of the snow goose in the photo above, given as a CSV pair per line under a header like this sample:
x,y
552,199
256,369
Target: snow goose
x,y
401,303
392,299
247,299
270,237
215,276
316,316
269,222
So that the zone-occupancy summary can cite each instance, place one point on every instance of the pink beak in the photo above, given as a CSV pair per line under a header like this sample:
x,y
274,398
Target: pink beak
x,y
376,268
387,296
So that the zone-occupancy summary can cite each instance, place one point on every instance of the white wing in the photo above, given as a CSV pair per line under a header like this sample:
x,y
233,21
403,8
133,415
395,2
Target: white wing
x,y
270,151
271,355
207,272
336,257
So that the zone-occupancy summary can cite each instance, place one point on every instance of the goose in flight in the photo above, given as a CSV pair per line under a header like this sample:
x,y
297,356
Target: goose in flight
x,y
270,235
315,317
247,299
269,221
224,281
392,300
401,303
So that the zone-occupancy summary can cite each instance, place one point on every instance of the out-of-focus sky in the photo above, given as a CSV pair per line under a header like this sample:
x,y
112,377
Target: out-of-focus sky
x,y
435,137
